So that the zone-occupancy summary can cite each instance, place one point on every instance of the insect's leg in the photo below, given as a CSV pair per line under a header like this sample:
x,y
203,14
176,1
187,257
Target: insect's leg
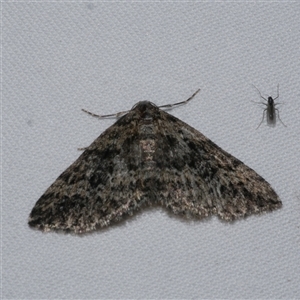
x,y
262,118
260,103
279,117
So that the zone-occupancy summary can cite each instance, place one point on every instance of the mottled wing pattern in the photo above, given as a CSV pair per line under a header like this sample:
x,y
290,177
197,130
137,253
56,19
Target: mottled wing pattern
x,y
98,187
198,178
147,157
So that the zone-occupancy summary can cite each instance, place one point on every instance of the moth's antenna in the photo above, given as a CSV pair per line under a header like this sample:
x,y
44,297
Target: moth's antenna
x,y
117,115
182,102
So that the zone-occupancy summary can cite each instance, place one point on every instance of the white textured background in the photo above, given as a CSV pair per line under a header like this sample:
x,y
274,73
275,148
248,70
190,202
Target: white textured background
x,y
105,57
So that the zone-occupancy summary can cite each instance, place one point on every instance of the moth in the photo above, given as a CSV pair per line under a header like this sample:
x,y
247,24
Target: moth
x,y
149,157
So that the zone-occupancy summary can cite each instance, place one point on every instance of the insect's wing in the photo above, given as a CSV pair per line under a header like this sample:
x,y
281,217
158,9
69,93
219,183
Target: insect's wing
x,y
95,189
271,115
198,178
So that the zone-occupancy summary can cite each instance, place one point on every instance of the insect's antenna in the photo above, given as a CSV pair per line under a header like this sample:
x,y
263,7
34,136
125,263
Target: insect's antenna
x,y
277,92
117,115
259,92
182,102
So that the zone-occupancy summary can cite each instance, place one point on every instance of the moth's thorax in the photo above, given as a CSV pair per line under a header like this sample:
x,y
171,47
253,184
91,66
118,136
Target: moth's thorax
x,y
147,127
146,114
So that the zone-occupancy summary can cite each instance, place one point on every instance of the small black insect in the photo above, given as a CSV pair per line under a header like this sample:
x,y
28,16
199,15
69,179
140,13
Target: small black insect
x,y
270,109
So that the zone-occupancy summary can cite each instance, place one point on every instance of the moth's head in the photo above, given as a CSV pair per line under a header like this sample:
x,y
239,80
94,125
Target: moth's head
x,y
144,108
143,105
